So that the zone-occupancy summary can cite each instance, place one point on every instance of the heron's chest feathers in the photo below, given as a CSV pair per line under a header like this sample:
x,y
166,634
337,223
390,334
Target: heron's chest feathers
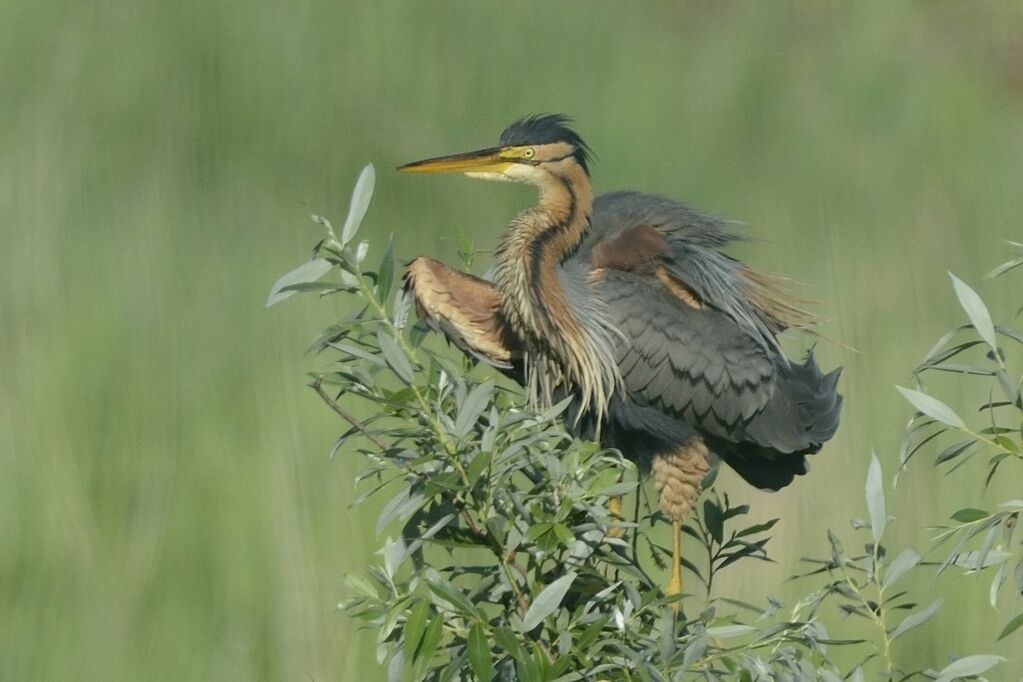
x,y
569,343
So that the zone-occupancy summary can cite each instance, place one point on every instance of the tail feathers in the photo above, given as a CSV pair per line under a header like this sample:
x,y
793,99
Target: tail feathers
x,y
801,416
761,467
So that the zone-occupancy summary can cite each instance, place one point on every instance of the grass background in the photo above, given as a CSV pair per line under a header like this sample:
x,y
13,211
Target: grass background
x,y
167,507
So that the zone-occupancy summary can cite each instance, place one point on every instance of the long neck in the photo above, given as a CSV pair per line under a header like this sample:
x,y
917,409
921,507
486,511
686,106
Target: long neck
x,y
535,243
568,347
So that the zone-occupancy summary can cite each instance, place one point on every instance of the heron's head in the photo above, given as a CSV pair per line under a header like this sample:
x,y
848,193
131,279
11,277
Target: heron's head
x,y
532,150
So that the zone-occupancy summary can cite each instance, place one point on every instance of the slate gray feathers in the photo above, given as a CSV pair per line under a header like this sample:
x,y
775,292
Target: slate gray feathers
x,y
718,369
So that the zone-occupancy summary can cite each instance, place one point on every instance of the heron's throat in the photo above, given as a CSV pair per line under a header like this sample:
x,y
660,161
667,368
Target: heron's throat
x,y
534,245
561,332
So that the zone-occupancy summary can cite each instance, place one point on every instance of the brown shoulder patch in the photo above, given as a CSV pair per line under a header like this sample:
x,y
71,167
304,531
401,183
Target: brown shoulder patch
x,y
637,248
678,288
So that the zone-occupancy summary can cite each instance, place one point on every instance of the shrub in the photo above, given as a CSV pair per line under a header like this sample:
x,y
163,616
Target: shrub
x,y
502,561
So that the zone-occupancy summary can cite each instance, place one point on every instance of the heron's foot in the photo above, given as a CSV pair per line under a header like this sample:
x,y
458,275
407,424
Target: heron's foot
x,y
614,508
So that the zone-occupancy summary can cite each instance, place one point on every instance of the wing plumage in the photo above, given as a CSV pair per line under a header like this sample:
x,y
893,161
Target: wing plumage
x,y
695,363
695,330
465,308
699,340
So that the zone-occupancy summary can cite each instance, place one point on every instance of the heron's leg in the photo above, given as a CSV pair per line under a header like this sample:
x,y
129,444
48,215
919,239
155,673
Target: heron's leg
x,y
675,584
614,508
677,477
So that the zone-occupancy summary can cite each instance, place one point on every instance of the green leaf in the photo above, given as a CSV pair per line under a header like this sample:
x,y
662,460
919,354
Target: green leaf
x,y
356,352
362,585
875,499
303,274
591,633
455,597
970,514
953,451
415,626
932,407
1013,625
360,202
475,403
479,465
427,647
385,274
547,601
714,520
968,665
917,619
479,654
509,642
396,359
976,311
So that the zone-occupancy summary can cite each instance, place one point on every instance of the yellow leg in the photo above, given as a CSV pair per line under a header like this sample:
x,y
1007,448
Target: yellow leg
x,y
675,584
677,477
614,507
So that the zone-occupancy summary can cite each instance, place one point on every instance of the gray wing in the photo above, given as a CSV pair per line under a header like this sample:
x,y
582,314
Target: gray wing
x,y
694,362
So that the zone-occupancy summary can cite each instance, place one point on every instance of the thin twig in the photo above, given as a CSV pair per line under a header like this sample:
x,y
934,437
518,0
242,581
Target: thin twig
x,y
317,385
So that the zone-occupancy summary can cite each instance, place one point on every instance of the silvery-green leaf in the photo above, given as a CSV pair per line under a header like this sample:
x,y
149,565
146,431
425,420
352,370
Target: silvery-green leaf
x,y
973,561
547,601
996,584
360,202
393,551
726,631
1004,268
875,499
401,506
976,311
395,357
361,251
396,666
968,665
402,305
1011,627
917,619
303,274
906,560
932,407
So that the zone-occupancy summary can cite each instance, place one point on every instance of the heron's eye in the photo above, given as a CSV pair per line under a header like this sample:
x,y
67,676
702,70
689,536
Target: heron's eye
x,y
528,153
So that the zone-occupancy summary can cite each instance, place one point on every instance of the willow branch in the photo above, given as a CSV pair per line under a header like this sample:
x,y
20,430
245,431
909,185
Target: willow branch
x,y
317,385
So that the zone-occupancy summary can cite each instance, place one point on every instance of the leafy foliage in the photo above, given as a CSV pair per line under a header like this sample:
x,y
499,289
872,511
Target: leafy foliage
x,y
502,560
980,540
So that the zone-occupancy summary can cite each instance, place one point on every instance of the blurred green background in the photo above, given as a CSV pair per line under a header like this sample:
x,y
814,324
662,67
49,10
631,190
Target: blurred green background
x,y
167,506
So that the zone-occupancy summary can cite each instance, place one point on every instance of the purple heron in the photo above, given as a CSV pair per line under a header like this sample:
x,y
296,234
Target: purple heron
x,y
627,303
